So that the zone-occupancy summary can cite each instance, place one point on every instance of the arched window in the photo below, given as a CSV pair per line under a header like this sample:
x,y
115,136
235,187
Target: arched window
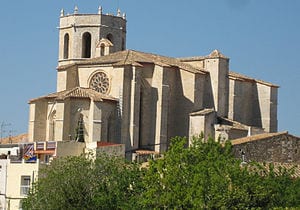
x,y
86,45
102,49
66,46
110,38
80,129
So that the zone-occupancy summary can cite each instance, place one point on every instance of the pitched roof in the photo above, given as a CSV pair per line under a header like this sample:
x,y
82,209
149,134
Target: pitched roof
x,y
77,92
216,54
136,58
15,139
291,167
213,54
202,112
278,168
234,124
238,76
257,137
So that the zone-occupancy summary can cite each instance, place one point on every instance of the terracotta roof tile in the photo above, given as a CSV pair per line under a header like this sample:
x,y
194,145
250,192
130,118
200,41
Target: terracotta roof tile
x,y
137,58
15,139
256,137
77,92
216,54
294,168
104,144
202,112
213,54
234,124
238,76
279,168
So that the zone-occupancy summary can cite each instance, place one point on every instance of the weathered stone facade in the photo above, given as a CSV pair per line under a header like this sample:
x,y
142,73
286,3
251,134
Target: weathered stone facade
x,y
140,99
268,147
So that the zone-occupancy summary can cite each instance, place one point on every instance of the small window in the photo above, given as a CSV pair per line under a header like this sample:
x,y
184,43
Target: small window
x,y
102,50
25,185
66,46
86,45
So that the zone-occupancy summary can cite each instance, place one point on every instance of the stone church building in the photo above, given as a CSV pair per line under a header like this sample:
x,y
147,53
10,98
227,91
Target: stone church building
x,y
107,93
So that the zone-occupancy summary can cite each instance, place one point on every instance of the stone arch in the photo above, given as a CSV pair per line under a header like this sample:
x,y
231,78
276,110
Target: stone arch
x,y
86,45
66,45
102,49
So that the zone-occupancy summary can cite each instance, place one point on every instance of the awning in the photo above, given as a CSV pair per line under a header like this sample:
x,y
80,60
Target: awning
x,y
50,152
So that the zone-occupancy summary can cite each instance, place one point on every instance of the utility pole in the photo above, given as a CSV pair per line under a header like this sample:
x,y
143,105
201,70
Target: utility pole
x,y
2,126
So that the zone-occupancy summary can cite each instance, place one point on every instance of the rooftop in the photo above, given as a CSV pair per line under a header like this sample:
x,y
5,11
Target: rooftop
x,y
136,58
77,92
238,76
21,138
257,137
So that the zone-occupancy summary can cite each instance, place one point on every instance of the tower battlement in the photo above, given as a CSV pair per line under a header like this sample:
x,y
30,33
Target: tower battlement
x,y
81,36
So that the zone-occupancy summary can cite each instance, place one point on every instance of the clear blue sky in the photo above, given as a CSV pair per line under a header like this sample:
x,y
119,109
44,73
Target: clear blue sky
x,y
261,37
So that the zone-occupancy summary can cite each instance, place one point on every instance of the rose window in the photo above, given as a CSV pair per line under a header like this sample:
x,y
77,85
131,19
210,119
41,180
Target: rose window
x,y
100,82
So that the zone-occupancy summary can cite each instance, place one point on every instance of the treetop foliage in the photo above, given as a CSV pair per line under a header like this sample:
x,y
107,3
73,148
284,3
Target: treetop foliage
x,y
204,175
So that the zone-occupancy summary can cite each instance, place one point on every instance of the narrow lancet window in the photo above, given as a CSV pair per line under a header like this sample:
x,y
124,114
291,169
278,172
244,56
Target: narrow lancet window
x,y
102,50
86,45
66,46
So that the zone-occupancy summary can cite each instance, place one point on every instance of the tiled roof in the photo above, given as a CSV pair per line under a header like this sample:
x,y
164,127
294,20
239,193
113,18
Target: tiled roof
x,y
256,137
146,152
279,168
216,54
77,92
213,54
289,167
21,138
136,58
238,76
234,124
104,144
202,112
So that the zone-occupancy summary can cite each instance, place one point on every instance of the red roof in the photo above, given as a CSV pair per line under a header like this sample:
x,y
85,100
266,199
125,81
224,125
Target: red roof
x,y
104,144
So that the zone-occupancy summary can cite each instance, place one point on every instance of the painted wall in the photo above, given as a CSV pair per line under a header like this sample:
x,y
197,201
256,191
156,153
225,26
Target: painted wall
x,y
14,173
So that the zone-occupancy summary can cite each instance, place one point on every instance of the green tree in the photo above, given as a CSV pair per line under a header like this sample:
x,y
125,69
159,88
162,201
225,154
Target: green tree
x,y
204,175
79,182
207,176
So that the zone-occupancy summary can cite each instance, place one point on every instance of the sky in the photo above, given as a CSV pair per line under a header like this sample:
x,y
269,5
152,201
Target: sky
x,y
261,38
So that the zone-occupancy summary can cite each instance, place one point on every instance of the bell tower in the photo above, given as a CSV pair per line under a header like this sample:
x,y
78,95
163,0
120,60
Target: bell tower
x,y
84,36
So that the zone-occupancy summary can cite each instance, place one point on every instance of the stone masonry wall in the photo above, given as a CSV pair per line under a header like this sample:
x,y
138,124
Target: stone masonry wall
x,y
283,148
